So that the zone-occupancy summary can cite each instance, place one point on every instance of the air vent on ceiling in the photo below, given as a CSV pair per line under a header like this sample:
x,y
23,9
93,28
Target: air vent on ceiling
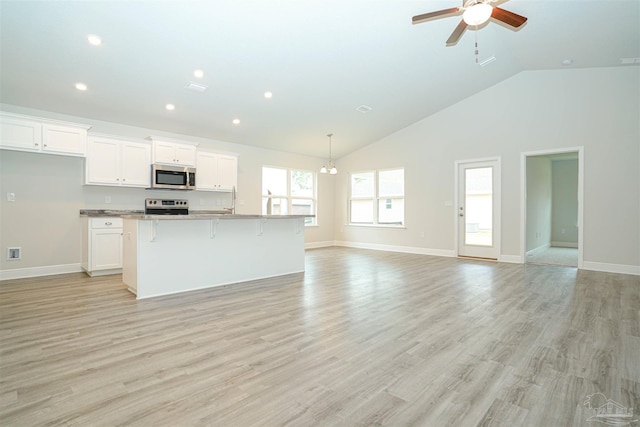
x,y
364,109
197,87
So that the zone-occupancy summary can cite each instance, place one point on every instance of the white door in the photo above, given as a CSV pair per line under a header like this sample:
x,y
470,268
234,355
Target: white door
x,y
478,209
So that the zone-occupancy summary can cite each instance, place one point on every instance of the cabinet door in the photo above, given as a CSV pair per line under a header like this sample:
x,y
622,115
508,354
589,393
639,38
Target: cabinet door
x,y
106,248
102,165
135,165
227,172
185,155
164,152
64,139
206,171
24,135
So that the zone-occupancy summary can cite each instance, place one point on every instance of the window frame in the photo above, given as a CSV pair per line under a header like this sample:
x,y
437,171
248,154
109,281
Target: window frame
x,y
375,199
289,197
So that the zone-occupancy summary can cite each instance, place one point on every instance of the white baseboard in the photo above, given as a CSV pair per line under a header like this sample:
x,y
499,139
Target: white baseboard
x,y
49,270
393,248
538,249
573,245
612,268
315,245
512,259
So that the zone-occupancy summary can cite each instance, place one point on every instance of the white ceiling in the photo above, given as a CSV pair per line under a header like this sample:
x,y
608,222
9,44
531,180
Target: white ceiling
x,y
320,58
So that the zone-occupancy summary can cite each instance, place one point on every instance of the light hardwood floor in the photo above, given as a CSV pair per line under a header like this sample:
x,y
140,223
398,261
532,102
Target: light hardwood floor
x,y
362,338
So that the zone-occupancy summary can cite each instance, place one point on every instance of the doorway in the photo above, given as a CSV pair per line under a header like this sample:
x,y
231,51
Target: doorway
x,y
478,208
551,214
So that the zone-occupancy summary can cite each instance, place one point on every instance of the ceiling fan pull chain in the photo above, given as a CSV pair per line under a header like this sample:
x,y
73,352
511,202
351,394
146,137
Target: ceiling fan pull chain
x,y
476,44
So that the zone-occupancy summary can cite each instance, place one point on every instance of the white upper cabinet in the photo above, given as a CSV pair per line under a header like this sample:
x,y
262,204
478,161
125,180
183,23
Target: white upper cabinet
x,y
119,161
24,133
216,172
173,153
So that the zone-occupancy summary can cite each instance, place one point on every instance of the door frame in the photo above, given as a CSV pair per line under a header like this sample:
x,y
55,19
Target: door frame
x,y
523,198
497,234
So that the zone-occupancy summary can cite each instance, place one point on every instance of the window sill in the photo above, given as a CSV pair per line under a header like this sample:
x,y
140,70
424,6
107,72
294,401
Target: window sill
x,y
395,227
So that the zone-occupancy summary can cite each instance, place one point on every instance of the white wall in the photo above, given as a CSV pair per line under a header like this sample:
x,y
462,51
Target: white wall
x,y
538,233
531,111
564,205
44,218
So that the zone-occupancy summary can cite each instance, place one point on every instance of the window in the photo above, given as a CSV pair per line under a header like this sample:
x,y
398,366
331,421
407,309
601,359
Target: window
x,y
288,191
377,197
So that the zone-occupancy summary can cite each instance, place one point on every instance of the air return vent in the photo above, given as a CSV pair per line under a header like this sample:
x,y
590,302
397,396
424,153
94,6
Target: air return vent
x,y
197,87
364,109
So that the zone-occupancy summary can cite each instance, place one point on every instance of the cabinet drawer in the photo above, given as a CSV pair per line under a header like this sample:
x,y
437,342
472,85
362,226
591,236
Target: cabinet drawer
x,y
105,222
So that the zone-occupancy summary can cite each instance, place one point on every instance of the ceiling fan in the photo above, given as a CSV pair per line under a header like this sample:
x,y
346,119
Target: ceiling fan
x,y
474,13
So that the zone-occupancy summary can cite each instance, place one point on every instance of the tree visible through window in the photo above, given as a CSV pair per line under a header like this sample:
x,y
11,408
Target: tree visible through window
x,y
288,191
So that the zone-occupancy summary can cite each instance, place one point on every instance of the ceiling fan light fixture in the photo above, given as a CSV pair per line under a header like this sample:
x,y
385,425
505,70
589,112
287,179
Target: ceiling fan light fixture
x,y
477,14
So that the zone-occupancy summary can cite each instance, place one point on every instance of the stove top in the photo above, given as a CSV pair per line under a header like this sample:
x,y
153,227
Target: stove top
x,y
166,207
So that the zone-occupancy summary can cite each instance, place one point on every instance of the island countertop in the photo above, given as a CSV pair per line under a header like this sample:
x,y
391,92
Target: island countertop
x,y
207,216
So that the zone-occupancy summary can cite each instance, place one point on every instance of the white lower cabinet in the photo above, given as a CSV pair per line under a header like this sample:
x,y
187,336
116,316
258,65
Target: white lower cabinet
x,y
102,245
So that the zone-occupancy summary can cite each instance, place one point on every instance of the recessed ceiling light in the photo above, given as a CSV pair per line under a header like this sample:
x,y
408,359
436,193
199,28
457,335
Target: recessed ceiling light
x,y
94,40
567,62
268,94
81,86
170,107
198,73
236,121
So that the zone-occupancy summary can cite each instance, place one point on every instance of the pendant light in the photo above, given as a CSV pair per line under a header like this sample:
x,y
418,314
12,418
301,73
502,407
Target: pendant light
x,y
330,167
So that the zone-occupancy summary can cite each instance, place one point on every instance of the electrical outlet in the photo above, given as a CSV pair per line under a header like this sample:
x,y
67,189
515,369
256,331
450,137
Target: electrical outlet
x,y
11,197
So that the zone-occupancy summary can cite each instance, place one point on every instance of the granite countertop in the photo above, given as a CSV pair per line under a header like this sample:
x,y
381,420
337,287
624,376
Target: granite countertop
x,y
194,214
201,216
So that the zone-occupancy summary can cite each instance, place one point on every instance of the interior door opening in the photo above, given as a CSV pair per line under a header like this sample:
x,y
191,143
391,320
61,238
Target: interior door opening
x,y
552,207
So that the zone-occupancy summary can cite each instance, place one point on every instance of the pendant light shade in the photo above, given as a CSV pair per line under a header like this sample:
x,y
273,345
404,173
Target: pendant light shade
x,y
329,167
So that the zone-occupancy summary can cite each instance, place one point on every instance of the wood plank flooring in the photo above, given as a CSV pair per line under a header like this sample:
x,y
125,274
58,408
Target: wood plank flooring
x,y
362,338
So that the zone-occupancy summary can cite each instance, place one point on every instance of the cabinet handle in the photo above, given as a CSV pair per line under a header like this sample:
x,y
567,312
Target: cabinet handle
x,y
45,145
108,223
117,179
37,145
123,179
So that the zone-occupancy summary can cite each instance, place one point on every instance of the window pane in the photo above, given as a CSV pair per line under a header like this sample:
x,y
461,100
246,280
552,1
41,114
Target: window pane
x,y
479,206
274,206
274,181
391,183
362,184
391,211
302,207
362,211
301,184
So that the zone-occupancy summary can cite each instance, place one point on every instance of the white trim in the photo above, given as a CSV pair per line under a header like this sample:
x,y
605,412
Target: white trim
x,y
511,259
497,214
49,270
573,245
392,248
523,197
612,268
314,245
538,249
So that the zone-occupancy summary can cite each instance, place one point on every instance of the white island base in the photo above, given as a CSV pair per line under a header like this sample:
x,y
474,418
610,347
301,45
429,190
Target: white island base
x,y
170,254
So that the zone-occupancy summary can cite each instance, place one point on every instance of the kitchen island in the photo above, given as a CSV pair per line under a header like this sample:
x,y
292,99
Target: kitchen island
x,y
167,254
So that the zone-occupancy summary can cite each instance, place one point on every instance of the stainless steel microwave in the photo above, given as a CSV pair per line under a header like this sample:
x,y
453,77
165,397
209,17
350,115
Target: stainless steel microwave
x,y
173,177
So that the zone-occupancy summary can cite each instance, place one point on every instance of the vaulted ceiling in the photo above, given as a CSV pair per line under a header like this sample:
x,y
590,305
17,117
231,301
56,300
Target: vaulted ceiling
x,y
321,59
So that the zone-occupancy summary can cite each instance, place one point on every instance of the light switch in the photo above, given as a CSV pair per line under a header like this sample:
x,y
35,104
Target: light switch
x,y
11,197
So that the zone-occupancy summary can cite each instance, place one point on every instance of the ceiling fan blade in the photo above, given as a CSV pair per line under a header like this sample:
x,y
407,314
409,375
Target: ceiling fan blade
x,y
509,18
431,15
457,33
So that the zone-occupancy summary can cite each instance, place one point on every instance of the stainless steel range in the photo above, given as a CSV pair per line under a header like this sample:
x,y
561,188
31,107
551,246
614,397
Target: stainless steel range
x,y
166,207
